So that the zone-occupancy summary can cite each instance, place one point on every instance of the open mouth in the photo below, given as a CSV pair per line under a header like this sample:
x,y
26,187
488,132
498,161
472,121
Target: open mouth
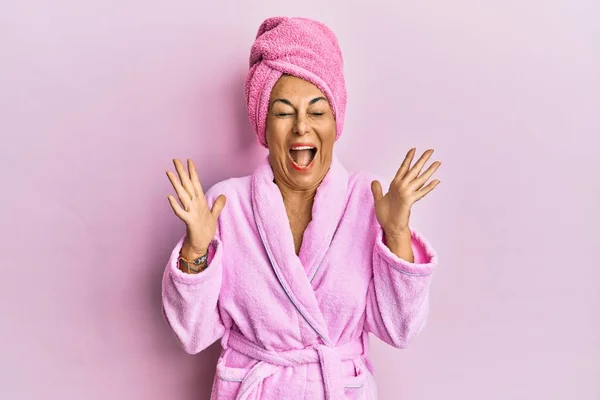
x,y
302,156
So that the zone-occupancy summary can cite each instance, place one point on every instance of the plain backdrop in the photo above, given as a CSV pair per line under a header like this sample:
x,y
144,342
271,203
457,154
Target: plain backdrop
x,y
97,98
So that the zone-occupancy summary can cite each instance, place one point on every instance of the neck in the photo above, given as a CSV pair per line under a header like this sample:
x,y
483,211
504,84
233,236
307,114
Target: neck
x,y
296,199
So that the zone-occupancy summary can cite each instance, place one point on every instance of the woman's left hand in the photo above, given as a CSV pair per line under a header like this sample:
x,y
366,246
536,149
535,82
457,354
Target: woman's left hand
x,y
407,187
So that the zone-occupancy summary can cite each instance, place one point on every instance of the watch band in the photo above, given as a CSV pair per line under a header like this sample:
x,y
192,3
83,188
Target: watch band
x,y
196,261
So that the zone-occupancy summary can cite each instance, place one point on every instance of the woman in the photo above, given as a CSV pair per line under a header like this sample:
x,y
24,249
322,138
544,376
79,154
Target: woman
x,y
306,259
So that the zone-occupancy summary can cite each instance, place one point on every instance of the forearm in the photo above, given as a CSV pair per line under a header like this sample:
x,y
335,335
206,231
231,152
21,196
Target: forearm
x,y
190,301
397,299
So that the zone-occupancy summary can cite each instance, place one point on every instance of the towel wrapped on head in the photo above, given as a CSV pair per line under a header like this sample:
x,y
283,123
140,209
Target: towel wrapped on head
x,y
300,47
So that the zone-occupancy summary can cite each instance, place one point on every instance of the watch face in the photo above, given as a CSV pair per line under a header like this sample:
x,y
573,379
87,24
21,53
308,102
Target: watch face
x,y
200,260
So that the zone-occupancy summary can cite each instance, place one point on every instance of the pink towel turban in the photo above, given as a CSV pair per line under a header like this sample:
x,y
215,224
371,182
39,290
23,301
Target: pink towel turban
x,y
300,47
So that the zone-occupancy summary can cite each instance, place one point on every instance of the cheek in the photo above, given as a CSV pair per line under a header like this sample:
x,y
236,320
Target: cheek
x,y
275,143
328,131
273,132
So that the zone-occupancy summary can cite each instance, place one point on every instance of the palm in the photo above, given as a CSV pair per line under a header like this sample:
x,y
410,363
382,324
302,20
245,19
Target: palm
x,y
407,187
200,220
391,207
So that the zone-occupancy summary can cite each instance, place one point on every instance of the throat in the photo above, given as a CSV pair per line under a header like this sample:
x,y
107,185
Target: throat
x,y
302,158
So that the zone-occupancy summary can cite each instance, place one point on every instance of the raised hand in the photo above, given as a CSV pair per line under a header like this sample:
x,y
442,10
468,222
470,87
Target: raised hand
x,y
407,187
200,221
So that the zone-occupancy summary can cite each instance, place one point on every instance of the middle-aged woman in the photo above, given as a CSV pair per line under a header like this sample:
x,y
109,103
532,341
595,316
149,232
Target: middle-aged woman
x,y
306,259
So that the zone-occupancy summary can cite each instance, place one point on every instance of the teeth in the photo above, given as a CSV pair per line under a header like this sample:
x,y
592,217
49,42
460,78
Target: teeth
x,y
302,148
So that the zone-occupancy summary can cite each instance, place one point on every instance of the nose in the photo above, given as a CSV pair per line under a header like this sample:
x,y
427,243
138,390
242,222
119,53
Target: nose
x,y
301,126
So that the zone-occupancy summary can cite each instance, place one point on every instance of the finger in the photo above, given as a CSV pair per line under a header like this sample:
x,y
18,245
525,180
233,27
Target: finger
x,y
218,206
428,188
416,169
183,195
377,191
405,164
185,178
424,177
176,207
194,178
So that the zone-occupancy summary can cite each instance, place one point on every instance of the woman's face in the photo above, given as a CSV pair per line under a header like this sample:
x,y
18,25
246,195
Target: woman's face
x,y
300,133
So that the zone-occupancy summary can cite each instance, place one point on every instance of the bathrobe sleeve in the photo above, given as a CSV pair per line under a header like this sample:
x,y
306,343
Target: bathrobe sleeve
x,y
190,300
398,294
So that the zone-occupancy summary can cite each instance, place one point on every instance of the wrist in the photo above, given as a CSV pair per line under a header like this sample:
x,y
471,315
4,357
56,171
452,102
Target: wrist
x,y
193,251
399,243
194,264
192,254
397,234
397,240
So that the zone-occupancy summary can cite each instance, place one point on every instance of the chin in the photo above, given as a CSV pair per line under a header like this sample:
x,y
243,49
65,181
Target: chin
x,y
309,176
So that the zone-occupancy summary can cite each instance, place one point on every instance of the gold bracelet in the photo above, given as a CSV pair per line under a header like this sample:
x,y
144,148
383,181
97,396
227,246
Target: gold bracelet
x,y
202,261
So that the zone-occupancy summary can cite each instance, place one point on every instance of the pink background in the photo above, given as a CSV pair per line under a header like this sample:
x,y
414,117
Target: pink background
x,y
97,97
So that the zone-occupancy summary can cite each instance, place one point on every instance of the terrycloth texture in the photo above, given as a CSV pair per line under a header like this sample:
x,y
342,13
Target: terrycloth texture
x,y
295,327
300,47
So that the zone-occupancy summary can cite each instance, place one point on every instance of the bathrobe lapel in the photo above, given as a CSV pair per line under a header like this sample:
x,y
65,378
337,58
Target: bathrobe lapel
x,y
296,272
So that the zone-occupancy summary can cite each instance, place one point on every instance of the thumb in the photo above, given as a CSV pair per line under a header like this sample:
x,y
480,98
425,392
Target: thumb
x,y
377,191
218,206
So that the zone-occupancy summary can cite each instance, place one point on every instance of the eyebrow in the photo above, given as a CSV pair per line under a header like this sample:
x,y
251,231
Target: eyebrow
x,y
313,101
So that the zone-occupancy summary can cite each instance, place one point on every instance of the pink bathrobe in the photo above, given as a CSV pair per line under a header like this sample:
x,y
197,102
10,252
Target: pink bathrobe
x,y
295,326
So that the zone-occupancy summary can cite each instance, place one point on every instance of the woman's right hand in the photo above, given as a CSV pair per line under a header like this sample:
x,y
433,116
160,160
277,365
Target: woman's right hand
x,y
200,221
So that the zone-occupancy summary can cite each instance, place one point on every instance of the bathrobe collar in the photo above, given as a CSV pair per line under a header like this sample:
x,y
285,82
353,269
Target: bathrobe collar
x,y
295,273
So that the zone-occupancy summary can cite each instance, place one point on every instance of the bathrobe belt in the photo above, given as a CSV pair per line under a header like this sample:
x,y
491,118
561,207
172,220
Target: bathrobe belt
x,y
271,361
